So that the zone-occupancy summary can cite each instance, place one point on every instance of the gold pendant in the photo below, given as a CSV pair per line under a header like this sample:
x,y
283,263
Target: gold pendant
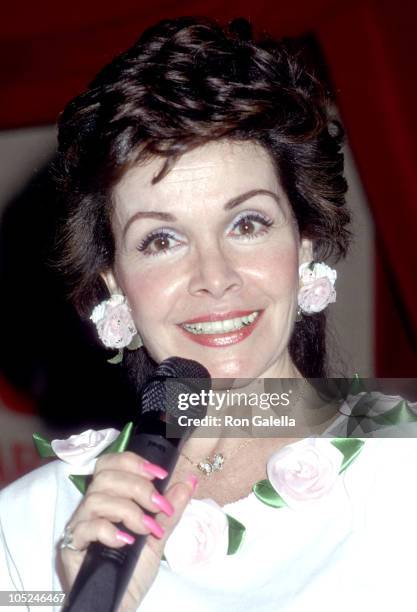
x,y
208,467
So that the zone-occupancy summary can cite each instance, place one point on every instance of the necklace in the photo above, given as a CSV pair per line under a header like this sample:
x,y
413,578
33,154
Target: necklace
x,y
208,466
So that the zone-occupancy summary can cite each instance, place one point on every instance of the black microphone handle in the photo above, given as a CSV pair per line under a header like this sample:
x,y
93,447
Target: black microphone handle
x,y
105,572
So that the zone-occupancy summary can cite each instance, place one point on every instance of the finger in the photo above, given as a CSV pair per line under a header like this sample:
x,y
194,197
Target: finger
x,y
130,486
99,505
98,530
130,462
179,496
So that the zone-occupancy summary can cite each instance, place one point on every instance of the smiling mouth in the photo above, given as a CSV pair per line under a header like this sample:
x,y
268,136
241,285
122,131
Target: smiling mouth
x,y
220,327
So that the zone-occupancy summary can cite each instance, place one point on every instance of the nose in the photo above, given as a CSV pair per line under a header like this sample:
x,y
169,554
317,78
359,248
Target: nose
x,y
213,273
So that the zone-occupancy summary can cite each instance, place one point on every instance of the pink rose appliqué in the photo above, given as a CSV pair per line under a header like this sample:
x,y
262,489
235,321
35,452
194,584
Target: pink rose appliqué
x,y
114,322
82,449
201,536
316,287
315,296
304,471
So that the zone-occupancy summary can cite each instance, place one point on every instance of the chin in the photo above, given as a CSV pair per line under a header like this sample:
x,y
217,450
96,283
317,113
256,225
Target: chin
x,y
231,369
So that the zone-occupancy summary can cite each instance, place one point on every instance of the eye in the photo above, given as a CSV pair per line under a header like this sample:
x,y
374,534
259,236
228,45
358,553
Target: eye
x,y
250,225
159,242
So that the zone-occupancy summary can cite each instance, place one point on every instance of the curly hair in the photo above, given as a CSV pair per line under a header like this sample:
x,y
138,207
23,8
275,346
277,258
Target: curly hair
x,y
186,82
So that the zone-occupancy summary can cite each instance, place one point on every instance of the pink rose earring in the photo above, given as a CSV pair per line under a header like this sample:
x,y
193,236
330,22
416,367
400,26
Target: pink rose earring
x,y
316,288
115,326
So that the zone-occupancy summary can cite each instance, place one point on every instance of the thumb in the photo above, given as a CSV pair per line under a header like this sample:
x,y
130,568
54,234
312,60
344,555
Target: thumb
x,y
179,495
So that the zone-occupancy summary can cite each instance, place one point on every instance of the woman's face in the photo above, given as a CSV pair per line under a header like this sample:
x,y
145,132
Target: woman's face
x,y
208,259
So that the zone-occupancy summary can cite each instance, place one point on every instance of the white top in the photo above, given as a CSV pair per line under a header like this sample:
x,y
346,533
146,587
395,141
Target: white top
x,y
352,549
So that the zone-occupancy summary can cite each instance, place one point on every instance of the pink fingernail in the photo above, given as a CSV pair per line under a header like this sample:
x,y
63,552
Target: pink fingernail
x,y
193,481
124,537
151,524
155,470
162,503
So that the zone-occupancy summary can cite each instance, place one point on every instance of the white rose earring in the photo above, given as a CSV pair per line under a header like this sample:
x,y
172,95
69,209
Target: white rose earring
x,y
316,288
115,326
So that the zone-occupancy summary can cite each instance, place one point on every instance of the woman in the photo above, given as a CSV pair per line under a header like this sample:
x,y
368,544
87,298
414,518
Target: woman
x,y
202,178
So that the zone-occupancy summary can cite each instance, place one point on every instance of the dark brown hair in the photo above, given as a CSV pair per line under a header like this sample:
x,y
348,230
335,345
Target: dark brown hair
x,y
186,82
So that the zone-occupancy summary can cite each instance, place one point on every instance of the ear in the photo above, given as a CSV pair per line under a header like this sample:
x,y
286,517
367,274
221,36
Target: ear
x,y
305,253
110,282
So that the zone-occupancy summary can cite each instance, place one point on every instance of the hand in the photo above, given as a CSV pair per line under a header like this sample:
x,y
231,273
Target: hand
x,y
122,491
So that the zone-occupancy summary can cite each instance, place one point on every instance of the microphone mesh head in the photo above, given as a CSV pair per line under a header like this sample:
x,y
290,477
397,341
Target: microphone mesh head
x,y
175,378
177,367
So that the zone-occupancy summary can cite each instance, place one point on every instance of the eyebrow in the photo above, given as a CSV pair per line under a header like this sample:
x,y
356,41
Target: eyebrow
x,y
229,205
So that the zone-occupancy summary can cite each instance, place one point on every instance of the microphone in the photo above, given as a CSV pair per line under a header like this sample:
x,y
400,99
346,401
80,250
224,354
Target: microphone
x,y
105,572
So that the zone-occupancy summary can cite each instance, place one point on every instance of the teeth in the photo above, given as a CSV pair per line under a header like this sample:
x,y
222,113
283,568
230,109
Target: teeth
x,y
228,325
220,327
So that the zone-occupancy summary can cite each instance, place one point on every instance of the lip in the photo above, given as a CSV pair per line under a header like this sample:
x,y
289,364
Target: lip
x,y
227,338
211,317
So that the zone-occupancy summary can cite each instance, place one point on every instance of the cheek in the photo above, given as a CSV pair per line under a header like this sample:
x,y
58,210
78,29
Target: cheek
x,y
150,295
277,269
